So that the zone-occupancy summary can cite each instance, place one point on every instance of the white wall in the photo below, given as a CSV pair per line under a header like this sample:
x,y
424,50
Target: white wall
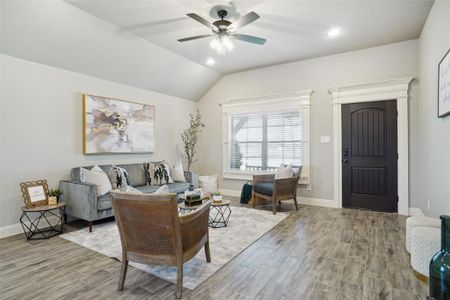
x,y
373,64
430,152
41,126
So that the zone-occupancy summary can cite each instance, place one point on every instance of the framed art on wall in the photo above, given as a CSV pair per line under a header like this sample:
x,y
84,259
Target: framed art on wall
x,y
117,126
444,86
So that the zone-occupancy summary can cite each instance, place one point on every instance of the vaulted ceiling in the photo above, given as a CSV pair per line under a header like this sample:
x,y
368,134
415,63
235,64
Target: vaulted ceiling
x,y
294,30
134,42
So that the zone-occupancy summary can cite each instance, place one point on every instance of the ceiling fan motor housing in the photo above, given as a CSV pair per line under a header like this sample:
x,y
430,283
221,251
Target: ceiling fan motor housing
x,y
222,24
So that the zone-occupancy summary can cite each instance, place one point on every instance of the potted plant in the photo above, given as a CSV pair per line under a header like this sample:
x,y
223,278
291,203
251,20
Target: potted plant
x,y
191,137
217,197
54,195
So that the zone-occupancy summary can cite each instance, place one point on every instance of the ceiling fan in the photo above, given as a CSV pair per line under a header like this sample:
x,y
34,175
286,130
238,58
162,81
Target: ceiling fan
x,y
222,30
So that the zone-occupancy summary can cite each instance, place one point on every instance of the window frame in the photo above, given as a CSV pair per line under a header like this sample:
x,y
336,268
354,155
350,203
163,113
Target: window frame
x,y
299,100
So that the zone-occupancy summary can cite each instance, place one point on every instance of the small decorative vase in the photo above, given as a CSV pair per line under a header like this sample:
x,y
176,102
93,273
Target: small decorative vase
x,y
440,265
52,200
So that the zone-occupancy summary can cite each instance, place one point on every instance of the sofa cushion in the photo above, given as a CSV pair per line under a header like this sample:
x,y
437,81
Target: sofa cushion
x,y
177,187
136,172
147,189
265,188
104,202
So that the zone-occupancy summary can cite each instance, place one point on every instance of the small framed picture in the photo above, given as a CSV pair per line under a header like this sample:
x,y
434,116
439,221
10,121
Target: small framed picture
x,y
35,193
444,86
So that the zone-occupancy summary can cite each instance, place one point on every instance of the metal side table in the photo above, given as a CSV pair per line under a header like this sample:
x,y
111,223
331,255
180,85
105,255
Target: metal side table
x,y
42,215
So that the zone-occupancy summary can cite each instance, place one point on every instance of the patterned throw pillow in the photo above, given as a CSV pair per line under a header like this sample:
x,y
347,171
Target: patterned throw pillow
x,y
158,173
119,177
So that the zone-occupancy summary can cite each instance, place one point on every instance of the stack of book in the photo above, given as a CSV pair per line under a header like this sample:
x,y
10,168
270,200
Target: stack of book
x,y
192,200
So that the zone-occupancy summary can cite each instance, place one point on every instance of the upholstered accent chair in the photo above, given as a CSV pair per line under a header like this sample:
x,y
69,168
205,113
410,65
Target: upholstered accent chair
x,y
152,232
270,189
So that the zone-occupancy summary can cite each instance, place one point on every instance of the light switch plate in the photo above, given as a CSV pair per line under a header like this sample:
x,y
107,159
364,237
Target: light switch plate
x,y
325,139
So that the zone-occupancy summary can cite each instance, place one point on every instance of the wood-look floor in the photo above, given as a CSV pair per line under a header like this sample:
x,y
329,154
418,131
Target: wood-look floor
x,y
315,253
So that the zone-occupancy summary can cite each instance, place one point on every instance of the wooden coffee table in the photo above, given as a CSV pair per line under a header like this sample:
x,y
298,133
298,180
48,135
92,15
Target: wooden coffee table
x,y
219,212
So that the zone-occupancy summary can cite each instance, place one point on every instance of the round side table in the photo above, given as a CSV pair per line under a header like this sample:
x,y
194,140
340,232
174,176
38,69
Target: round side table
x,y
32,217
219,212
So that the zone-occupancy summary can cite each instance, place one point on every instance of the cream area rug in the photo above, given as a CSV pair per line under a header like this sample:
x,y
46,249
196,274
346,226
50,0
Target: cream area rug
x,y
244,228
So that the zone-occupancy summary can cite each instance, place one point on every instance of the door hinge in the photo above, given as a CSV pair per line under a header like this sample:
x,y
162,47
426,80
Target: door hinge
x,y
397,198
397,155
397,112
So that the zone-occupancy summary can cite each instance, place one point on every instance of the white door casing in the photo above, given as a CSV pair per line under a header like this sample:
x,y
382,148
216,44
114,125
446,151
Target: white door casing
x,y
393,89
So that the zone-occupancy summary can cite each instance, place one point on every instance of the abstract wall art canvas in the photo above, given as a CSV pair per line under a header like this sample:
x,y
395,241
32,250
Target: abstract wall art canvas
x,y
444,86
117,126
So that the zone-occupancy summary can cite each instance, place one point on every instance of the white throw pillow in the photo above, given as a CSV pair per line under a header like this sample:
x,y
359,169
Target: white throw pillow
x,y
178,173
284,171
208,183
98,177
164,189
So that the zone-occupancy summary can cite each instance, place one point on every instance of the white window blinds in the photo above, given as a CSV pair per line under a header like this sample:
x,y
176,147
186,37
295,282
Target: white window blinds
x,y
262,141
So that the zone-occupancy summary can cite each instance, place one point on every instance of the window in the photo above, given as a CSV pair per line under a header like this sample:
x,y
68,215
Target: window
x,y
261,133
262,141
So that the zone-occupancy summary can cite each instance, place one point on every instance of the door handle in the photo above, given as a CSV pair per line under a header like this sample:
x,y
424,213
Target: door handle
x,y
345,152
345,161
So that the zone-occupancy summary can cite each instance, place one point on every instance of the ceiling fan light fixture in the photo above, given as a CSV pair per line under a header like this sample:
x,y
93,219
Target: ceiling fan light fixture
x,y
222,44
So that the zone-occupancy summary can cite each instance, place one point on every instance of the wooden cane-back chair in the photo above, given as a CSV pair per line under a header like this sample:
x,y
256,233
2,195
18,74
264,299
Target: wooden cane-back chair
x,y
270,189
152,232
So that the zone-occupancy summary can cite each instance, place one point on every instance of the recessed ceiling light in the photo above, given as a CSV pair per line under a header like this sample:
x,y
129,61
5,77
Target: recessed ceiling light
x,y
334,32
210,61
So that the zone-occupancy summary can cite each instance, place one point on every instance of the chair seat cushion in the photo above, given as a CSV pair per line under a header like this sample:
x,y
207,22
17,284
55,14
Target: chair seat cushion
x,y
265,188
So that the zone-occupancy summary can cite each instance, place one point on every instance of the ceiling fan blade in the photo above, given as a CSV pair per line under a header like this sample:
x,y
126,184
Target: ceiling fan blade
x,y
195,37
203,21
245,20
249,38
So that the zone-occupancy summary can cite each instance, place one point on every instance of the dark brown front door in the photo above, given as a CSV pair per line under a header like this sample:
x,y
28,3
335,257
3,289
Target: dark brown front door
x,y
369,155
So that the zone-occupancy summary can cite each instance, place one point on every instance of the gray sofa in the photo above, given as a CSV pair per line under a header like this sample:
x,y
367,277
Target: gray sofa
x,y
82,201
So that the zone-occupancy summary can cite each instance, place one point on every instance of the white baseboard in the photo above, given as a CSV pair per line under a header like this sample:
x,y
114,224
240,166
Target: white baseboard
x,y
317,202
414,211
10,230
14,229
301,200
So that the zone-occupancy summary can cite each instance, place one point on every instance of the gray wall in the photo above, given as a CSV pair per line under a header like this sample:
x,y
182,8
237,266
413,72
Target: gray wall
x,y
41,126
373,64
430,148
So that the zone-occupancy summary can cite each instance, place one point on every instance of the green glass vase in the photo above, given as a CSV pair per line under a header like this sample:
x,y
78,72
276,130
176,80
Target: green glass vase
x,y
440,265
